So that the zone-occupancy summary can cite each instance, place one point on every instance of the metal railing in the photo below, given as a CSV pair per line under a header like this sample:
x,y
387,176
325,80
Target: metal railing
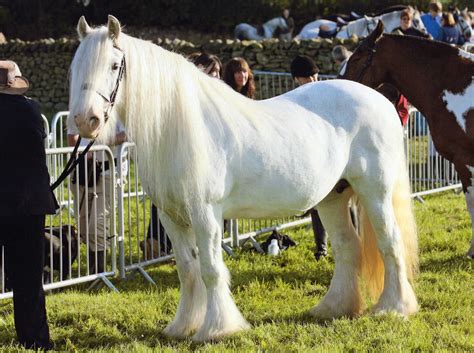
x,y
141,241
68,262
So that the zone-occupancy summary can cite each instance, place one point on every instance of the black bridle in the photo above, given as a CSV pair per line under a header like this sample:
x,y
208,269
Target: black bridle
x,y
367,64
75,159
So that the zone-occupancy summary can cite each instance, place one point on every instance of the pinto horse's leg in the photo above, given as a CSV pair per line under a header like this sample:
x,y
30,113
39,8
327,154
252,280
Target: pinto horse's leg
x,y
343,297
222,315
192,303
470,206
469,195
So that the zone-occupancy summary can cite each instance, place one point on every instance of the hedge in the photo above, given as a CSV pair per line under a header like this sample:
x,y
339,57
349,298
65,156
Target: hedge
x,y
35,19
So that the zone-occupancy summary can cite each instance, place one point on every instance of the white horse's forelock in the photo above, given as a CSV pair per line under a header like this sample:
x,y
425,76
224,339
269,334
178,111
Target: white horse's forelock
x,y
88,70
165,99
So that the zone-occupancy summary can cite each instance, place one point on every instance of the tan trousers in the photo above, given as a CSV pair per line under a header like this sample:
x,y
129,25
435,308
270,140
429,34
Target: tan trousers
x,y
94,221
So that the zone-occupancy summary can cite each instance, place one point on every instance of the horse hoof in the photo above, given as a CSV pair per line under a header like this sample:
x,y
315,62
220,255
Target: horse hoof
x,y
404,309
206,335
174,331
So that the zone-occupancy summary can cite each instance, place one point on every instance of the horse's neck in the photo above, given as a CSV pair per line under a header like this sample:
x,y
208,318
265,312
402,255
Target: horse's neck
x,y
418,81
357,26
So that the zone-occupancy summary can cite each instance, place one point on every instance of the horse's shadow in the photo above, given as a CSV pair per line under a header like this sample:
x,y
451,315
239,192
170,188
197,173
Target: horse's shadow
x,y
446,264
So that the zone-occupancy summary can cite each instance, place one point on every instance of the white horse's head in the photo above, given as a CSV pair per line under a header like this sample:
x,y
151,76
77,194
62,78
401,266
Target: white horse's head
x,y
464,24
96,72
417,22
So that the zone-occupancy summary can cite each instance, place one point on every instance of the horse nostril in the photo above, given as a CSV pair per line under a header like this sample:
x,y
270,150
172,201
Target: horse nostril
x,y
94,122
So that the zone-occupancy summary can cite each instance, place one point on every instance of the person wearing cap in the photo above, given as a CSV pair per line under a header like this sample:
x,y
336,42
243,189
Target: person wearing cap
x,y
25,199
304,70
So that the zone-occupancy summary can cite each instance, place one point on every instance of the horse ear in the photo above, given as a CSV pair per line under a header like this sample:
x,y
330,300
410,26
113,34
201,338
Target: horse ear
x,y
376,33
114,27
83,28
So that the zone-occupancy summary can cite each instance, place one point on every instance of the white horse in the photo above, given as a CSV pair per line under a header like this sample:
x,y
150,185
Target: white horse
x,y
464,26
361,27
246,31
208,153
311,30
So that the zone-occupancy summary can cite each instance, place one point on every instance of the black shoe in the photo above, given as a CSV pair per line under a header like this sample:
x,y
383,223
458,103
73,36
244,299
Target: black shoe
x,y
38,346
320,253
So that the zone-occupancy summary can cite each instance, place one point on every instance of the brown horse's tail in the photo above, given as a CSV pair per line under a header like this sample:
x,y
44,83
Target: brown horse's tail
x,y
372,267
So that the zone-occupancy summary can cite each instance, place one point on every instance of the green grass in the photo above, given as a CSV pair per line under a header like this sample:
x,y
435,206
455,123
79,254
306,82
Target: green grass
x,y
274,294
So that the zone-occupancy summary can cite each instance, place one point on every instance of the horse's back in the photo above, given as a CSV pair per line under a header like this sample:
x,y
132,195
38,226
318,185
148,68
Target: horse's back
x,y
310,138
344,103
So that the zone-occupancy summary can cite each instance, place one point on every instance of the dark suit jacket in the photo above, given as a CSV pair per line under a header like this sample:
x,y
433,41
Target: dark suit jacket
x,y
24,177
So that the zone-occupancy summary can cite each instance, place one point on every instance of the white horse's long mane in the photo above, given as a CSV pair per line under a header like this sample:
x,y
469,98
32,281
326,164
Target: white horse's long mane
x,y
165,98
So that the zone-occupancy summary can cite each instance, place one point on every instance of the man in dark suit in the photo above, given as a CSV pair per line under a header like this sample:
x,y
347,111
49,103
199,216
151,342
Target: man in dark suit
x,y
25,199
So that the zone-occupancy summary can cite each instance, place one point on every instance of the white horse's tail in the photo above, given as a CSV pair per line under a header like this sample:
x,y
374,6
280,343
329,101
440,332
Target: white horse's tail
x,y
372,266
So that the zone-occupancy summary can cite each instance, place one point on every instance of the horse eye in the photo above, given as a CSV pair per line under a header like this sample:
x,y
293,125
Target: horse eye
x,y
115,66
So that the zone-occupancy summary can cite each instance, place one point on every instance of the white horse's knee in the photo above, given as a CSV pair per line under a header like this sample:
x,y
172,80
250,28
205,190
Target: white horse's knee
x,y
214,275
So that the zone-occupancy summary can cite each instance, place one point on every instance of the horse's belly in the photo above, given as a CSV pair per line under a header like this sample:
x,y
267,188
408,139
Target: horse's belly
x,y
276,197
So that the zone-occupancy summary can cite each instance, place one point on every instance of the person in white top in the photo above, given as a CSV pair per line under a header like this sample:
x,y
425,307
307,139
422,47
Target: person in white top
x,y
92,197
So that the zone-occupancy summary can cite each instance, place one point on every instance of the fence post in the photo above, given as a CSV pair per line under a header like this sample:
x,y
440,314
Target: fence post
x,y
121,223
234,232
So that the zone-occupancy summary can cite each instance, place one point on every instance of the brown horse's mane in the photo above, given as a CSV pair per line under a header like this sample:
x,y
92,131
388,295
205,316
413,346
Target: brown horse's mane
x,y
425,46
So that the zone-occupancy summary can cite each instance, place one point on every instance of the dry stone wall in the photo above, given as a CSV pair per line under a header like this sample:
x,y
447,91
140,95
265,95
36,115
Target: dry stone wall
x,y
46,62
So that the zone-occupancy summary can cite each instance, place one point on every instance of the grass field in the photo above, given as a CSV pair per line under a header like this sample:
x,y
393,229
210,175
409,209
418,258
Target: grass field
x,y
274,294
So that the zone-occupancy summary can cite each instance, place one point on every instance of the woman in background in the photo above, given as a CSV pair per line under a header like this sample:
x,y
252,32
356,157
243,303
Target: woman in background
x,y
210,64
450,33
237,74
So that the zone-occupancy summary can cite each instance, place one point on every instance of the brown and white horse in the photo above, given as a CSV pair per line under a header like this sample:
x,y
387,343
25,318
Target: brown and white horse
x,y
438,80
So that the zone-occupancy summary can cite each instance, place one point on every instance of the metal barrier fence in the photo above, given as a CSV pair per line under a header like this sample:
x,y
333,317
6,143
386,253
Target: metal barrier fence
x,y
66,261
429,171
135,236
46,131
142,240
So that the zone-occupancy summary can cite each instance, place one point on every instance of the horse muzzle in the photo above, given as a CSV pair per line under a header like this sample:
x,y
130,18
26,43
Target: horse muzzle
x,y
89,127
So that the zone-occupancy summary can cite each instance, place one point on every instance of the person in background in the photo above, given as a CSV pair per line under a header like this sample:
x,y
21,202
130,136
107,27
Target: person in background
x,y
398,100
237,74
210,64
325,31
304,70
340,54
450,33
25,199
406,26
288,33
432,20
93,198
